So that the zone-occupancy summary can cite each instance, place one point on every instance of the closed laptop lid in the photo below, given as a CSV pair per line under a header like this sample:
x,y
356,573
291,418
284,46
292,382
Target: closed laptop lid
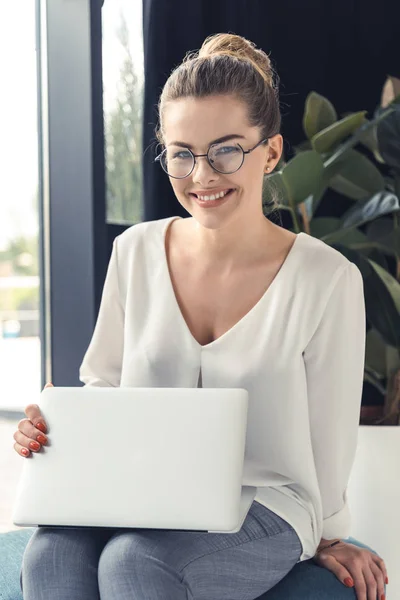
x,y
136,457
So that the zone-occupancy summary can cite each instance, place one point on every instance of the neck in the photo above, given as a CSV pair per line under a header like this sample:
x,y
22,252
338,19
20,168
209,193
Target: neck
x,y
239,242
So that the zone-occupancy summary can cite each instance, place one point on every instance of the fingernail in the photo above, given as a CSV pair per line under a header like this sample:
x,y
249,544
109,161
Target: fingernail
x,y
34,445
349,582
41,439
383,597
386,580
41,426
24,451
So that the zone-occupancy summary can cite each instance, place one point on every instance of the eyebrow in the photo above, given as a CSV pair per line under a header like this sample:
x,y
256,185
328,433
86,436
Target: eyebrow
x,y
225,138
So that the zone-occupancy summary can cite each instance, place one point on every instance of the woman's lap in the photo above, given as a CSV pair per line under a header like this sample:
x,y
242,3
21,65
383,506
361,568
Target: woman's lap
x,y
239,566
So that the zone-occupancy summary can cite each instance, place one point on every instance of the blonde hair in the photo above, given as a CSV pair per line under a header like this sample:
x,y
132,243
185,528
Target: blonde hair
x,y
227,64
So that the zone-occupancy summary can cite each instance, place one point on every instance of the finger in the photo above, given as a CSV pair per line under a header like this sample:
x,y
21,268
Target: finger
x,y
360,584
27,428
329,562
370,581
33,413
18,448
377,574
27,442
381,564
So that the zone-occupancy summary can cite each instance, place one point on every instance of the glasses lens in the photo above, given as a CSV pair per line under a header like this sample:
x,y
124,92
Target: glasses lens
x,y
177,162
226,158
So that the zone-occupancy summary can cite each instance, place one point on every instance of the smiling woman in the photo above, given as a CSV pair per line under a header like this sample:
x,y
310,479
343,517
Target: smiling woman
x,y
227,299
230,88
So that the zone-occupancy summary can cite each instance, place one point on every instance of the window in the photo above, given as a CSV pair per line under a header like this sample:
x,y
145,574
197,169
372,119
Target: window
x,y
123,99
19,247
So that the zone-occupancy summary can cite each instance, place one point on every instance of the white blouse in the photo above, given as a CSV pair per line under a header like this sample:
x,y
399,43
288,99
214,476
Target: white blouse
x,y
299,352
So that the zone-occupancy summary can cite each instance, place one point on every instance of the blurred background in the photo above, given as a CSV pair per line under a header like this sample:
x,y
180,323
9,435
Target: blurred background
x,y
80,83
29,219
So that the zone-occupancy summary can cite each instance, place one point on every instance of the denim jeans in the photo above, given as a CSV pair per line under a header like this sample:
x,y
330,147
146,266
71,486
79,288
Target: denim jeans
x,y
160,564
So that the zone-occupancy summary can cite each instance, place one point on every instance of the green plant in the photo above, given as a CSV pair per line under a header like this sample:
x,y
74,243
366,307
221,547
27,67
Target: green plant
x,y
368,234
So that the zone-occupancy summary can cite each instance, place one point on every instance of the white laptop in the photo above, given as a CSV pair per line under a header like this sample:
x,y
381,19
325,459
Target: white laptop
x,y
162,458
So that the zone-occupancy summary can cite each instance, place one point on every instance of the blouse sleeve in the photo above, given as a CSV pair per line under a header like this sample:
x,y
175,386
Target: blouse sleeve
x,y
102,362
334,363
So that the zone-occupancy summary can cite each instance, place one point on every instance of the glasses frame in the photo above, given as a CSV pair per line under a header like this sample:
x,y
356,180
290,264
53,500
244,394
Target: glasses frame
x,y
244,152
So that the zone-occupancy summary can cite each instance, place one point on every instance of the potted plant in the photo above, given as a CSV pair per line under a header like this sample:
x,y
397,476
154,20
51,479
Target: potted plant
x,y
360,159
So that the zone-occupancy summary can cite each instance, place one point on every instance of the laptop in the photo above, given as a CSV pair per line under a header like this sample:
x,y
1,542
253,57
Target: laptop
x,y
160,458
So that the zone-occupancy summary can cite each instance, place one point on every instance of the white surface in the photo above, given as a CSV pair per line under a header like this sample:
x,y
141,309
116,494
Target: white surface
x,y
20,372
374,497
119,457
10,468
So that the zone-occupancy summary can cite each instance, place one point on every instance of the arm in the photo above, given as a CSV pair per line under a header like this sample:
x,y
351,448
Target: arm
x,y
102,362
334,363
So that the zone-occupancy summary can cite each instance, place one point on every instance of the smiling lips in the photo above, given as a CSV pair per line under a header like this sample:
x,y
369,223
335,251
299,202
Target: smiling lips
x,y
203,195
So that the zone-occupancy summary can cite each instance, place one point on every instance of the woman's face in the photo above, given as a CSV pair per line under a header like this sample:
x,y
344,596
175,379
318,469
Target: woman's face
x,y
197,123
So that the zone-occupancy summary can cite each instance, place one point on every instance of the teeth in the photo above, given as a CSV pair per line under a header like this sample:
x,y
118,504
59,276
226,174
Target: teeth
x,y
214,196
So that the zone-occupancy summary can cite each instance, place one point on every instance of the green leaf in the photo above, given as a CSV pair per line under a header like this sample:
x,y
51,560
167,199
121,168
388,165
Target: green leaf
x,y
378,257
375,353
388,132
352,238
353,140
323,226
306,145
364,211
329,230
369,138
328,139
382,296
319,113
369,249
358,177
392,360
392,285
385,236
303,176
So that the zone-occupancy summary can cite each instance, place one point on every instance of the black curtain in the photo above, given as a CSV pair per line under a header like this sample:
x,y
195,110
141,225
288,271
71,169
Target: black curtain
x,y
343,49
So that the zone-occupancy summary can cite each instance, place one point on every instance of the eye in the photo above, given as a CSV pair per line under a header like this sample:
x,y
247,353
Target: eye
x,y
183,154
227,150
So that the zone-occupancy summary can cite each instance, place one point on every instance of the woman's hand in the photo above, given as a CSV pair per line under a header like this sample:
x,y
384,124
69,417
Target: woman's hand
x,y
360,567
30,434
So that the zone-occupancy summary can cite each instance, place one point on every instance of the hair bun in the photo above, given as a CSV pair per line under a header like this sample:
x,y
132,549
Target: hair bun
x,y
229,44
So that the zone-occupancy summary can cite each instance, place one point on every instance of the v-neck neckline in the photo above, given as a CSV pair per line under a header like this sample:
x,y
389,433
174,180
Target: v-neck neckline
x,y
254,308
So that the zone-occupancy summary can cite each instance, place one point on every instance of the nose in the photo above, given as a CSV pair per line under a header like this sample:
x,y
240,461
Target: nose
x,y
203,171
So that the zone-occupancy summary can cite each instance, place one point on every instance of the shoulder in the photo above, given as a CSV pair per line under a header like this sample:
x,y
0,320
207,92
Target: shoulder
x,y
327,285
140,236
324,277
323,263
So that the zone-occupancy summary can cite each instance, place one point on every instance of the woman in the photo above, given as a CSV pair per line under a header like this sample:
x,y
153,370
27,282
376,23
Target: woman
x,y
227,298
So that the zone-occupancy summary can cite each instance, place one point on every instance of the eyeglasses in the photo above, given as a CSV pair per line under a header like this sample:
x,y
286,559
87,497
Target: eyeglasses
x,y
223,158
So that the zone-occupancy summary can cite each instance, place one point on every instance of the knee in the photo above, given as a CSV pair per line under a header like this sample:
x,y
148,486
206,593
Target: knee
x,y
121,554
56,547
36,555
138,562
129,553
37,551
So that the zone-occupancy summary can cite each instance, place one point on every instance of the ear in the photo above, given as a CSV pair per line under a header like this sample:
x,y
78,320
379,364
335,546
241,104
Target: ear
x,y
274,152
